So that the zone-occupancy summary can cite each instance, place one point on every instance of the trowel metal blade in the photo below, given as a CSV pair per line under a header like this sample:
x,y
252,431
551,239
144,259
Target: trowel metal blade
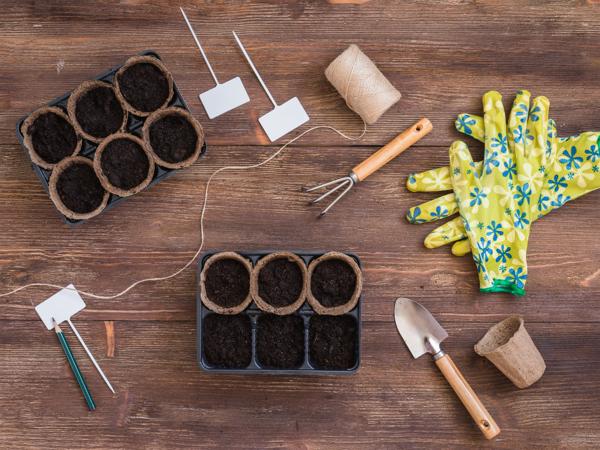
x,y
60,307
224,97
417,326
283,119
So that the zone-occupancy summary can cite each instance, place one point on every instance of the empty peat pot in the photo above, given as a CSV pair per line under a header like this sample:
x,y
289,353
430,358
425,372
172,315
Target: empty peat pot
x,y
510,348
280,341
227,341
279,283
96,111
50,137
332,342
335,283
144,85
123,164
225,283
174,137
76,190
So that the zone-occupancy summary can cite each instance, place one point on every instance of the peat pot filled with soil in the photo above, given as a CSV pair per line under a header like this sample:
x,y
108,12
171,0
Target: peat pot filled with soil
x,y
50,137
123,164
96,111
279,283
144,85
225,283
174,137
280,341
76,190
335,283
227,341
332,342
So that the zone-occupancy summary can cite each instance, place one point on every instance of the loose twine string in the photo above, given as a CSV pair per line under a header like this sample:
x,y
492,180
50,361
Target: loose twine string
x,y
202,216
368,94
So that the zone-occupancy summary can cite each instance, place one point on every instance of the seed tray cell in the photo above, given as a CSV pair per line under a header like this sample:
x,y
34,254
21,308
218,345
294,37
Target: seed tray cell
x,y
305,312
88,148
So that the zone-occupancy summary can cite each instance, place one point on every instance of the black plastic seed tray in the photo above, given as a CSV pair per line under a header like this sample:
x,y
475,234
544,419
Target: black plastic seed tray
x,y
254,313
88,148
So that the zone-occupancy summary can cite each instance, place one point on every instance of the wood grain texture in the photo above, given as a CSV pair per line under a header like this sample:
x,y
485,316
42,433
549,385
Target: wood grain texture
x,y
442,56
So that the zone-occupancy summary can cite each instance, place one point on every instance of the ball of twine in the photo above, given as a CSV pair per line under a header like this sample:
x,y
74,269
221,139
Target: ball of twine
x,y
365,89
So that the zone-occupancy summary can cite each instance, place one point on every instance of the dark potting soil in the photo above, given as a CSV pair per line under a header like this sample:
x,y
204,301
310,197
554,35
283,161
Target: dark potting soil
x,y
280,341
227,282
173,138
333,282
144,86
53,137
280,282
99,112
124,163
332,342
227,341
79,188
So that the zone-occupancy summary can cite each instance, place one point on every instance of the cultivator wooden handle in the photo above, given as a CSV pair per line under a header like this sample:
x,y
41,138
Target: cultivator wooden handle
x,y
392,149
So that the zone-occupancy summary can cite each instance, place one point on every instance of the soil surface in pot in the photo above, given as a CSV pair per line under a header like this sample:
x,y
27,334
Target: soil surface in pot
x,y
332,341
124,163
227,341
227,282
79,188
333,282
280,341
173,138
144,86
98,112
280,282
53,137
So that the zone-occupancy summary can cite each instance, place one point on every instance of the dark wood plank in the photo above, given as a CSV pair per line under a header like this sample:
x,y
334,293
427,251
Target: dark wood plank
x,y
165,400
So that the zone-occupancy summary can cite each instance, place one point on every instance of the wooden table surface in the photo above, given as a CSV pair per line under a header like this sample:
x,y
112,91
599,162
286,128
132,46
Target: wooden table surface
x,y
442,56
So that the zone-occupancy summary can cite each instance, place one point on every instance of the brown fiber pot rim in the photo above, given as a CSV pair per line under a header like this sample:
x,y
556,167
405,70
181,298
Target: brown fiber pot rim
x,y
137,60
159,114
263,304
72,103
104,179
204,296
37,159
55,197
350,304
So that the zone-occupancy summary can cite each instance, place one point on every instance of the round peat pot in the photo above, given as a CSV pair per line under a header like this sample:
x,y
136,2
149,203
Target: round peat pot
x,y
76,190
174,137
50,137
279,283
96,111
225,283
123,164
335,284
144,85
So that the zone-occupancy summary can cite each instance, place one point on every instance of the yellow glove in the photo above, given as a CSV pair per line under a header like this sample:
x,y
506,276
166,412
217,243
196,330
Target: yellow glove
x,y
572,170
497,205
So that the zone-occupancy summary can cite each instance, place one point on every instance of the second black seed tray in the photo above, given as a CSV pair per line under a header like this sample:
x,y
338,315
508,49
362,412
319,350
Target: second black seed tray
x,y
255,314
88,148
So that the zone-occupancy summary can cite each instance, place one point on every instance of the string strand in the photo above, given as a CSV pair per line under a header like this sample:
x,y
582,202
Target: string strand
x,y
202,216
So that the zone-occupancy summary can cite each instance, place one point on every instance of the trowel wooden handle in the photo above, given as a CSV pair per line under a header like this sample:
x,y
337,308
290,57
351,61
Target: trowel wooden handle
x,y
467,396
392,149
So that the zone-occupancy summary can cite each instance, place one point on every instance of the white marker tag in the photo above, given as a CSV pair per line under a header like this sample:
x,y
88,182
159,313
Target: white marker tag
x,y
60,307
224,97
283,119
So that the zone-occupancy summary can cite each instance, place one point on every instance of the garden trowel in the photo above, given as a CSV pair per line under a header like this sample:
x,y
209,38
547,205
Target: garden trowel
x,y
423,334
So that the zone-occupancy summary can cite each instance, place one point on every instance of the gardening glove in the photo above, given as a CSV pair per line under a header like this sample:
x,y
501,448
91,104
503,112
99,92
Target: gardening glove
x,y
496,207
562,184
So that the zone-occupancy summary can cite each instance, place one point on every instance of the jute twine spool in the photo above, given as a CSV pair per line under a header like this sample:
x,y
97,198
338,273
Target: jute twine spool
x,y
358,80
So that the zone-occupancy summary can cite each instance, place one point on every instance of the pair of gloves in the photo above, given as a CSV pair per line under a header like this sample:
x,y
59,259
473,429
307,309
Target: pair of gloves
x,y
527,172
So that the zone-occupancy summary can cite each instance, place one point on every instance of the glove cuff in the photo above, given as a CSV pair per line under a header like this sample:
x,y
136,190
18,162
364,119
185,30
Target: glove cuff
x,y
504,286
